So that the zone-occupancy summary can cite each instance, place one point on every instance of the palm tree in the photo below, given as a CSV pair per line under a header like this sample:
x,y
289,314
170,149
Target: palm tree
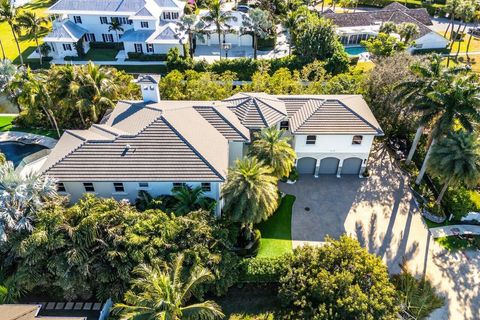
x,y
162,294
271,146
250,194
7,72
9,14
191,199
115,26
20,198
187,24
259,24
388,27
34,25
219,18
455,160
452,7
452,102
407,31
468,12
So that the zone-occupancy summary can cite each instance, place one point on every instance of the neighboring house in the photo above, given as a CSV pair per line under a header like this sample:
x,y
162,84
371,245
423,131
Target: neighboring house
x,y
357,26
232,33
157,145
36,312
149,26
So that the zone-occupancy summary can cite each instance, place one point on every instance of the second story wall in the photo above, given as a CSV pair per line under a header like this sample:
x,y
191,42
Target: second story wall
x,y
99,24
332,144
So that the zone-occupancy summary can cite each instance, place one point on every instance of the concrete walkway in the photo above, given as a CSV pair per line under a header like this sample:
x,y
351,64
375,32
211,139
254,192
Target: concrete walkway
x,y
461,229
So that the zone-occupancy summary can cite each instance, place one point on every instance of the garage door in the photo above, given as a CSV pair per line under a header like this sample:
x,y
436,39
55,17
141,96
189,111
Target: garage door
x,y
329,166
306,165
351,166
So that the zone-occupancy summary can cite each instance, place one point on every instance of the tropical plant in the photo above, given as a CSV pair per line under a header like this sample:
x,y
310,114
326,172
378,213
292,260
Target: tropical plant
x,y
407,31
20,199
388,27
115,26
271,146
158,294
383,45
258,23
189,199
452,7
468,11
188,24
8,13
250,194
34,26
215,15
339,280
7,72
455,160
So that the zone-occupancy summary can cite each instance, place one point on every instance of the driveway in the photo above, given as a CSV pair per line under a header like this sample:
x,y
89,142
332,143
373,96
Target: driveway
x,y
380,213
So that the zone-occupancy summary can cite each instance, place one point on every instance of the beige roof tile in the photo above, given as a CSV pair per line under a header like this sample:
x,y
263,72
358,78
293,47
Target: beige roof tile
x,y
225,121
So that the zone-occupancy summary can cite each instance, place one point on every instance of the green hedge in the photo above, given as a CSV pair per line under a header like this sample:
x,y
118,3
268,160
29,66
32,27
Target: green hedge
x,y
106,45
428,51
146,57
263,270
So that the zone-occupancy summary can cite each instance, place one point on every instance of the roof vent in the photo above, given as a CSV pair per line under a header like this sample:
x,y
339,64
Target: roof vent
x,y
127,147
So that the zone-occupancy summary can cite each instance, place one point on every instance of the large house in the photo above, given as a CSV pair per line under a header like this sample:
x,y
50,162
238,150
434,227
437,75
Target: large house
x,y
354,27
158,145
148,26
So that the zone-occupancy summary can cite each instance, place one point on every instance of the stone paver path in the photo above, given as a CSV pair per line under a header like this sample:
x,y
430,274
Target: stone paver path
x,y
453,230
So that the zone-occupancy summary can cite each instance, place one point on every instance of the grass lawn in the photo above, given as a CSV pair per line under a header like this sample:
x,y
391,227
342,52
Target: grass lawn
x,y
474,44
453,243
277,231
97,55
27,45
7,125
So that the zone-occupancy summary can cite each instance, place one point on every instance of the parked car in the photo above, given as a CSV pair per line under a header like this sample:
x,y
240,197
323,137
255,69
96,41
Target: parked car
x,y
243,8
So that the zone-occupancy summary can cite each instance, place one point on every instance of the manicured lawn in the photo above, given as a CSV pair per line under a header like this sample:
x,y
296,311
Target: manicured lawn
x,y
6,125
27,45
455,243
474,44
97,55
277,231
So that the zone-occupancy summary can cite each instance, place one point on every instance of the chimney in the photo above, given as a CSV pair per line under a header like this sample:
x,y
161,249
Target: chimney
x,y
149,85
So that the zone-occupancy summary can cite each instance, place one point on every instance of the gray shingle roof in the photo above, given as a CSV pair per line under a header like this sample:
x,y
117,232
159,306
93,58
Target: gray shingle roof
x,y
225,121
167,34
144,12
342,114
98,5
256,110
166,3
66,30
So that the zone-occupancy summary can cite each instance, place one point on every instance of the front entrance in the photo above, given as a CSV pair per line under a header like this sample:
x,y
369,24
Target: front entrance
x,y
306,165
329,166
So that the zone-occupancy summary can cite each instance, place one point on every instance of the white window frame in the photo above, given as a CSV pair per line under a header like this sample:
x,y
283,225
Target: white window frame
x,y
67,47
77,19
90,37
107,37
137,46
144,24
178,185
103,20
150,48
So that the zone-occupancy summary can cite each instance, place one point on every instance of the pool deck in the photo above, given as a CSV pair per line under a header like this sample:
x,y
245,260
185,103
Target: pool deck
x,y
28,138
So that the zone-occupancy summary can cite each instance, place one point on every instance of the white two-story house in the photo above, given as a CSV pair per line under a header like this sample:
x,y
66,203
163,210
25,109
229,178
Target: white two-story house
x,y
158,145
147,26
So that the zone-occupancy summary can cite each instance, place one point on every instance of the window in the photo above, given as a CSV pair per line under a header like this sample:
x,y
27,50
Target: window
x,y
206,187
150,47
103,20
77,19
357,139
88,187
143,185
166,15
90,37
107,37
129,21
118,186
284,125
138,47
178,185
144,24
311,139
61,187
174,15
170,15
67,47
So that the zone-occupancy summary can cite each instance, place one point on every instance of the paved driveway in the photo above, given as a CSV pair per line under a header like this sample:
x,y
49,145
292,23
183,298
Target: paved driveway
x,y
380,213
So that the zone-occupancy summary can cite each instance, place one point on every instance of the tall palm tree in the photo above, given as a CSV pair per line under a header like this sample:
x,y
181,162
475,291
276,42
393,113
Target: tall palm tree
x,y
163,294
33,25
250,194
259,24
467,14
187,24
219,18
452,8
271,146
115,26
190,199
9,14
455,101
455,160
20,198
407,31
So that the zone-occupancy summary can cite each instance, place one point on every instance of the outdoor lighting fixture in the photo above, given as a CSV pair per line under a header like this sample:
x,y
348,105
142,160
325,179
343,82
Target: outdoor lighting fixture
x,y
226,47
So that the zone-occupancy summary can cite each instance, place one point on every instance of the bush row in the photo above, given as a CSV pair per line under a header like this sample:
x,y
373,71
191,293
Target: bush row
x,y
263,270
147,57
107,45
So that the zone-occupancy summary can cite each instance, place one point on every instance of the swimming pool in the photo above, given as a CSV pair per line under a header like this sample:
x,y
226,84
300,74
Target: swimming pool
x,y
355,51
17,151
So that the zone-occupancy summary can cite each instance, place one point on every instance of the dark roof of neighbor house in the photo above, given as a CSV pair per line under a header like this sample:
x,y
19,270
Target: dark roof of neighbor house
x,y
395,12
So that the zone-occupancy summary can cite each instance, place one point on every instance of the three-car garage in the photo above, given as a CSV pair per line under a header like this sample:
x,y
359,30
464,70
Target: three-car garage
x,y
329,166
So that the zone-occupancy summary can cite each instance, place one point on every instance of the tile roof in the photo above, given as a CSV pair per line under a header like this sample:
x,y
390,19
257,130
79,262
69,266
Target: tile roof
x,y
66,31
329,114
256,110
29,312
142,142
225,121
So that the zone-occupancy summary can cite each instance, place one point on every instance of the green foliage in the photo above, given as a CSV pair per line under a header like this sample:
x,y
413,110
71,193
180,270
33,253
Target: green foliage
x,y
92,247
139,56
417,296
176,62
383,45
261,270
340,280
106,45
192,199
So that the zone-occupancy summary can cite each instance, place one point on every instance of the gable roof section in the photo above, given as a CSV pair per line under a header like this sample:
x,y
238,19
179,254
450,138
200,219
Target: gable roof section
x,y
167,33
144,12
342,114
225,121
67,31
256,110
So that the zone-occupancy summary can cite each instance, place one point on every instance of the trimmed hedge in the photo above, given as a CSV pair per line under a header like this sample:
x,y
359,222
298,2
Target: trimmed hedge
x,y
146,57
263,270
428,51
106,45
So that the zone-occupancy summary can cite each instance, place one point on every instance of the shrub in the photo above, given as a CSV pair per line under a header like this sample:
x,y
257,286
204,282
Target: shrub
x,y
262,270
107,45
147,57
459,202
244,68
250,248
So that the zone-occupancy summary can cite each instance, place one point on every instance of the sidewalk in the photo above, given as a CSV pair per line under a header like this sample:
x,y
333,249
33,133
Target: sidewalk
x,y
453,230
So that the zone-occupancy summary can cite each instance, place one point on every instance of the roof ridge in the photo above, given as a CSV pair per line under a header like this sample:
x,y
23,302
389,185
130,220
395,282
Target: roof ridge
x,y
224,118
309,101
358,115
271,107
71,151
255,102
191,147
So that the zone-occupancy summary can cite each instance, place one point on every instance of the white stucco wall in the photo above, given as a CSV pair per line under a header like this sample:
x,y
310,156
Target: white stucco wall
x,y
235,151
432,40
152,23
58,52
106,190
158,48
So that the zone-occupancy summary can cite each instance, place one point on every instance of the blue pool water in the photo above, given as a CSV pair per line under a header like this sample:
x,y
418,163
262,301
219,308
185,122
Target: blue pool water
x,y
16,151
355,51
